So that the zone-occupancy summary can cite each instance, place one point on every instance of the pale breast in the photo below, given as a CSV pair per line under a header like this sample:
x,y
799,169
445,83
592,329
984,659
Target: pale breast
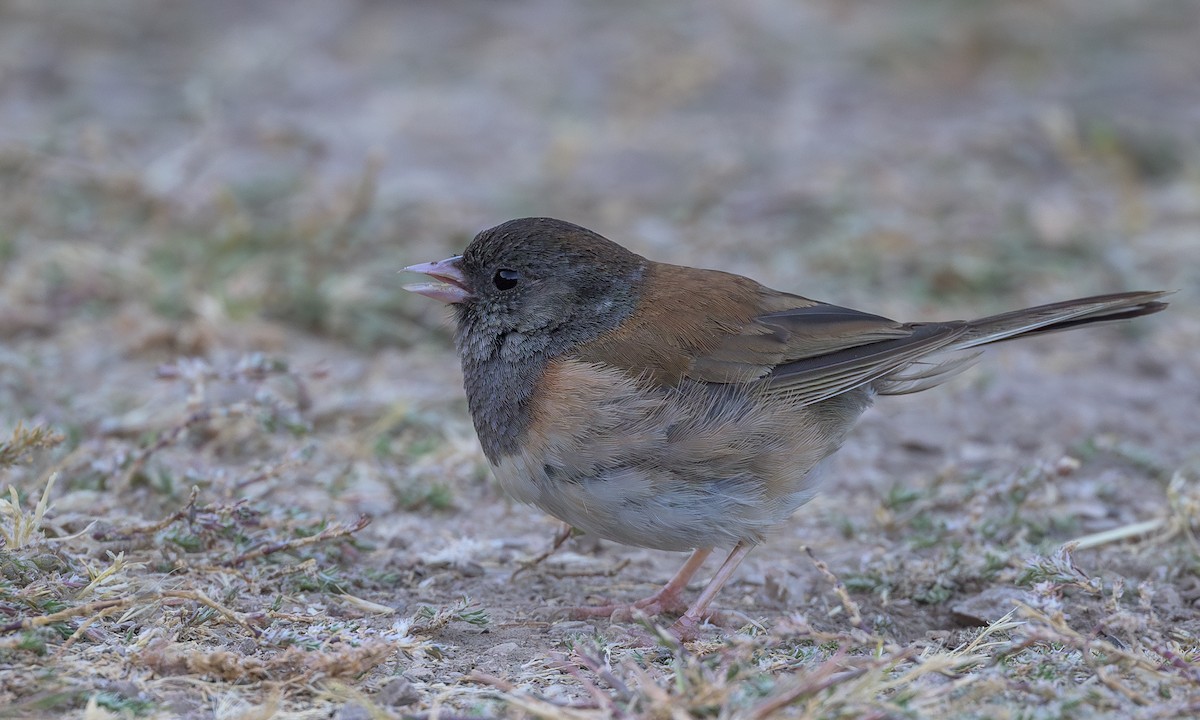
x,y
697,465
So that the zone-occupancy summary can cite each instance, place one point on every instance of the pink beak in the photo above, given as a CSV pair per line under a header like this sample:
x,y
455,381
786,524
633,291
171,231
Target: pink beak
x,y
451,286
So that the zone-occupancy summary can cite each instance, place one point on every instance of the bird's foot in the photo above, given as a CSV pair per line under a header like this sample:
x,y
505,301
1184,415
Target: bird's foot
x,y
660,603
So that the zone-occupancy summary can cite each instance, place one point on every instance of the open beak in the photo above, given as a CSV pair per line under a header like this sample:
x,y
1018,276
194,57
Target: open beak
x,y
450,286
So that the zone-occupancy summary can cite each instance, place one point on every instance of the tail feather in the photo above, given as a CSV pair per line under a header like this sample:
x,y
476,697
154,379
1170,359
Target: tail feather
x,y
1066,315
925,374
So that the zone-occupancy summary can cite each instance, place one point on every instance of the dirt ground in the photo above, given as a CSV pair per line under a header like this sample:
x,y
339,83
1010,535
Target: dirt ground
x,y
238,477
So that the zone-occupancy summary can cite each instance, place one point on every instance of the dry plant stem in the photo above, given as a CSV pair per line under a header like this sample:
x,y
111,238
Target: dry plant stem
x,y
88,609
83,627
329,534
101,608
848,603
197,596
273,470
685,626
601,670
601,698
560,537
1117,534
167,439
179,514
823,677
665,600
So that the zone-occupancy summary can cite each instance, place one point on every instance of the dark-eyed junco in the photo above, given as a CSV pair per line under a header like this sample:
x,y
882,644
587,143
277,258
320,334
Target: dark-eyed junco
x,y
675,408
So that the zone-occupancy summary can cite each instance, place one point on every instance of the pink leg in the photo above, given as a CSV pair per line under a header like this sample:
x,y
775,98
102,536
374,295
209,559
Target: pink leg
x,y
668,596
685,627
665,600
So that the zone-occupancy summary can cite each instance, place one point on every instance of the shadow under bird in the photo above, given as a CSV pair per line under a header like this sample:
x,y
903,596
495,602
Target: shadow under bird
x,y
676,408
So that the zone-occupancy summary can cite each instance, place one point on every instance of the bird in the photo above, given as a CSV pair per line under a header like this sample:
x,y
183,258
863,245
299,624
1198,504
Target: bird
x,y
677,408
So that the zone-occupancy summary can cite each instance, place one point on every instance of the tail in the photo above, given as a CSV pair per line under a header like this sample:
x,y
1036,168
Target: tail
x,y
1066,315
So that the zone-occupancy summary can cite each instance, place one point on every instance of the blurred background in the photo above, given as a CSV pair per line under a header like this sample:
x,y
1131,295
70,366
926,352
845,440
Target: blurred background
x,y
209,179
280,159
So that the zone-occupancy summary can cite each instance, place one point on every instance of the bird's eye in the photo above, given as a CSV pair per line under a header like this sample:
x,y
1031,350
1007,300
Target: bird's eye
x,y
506,279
